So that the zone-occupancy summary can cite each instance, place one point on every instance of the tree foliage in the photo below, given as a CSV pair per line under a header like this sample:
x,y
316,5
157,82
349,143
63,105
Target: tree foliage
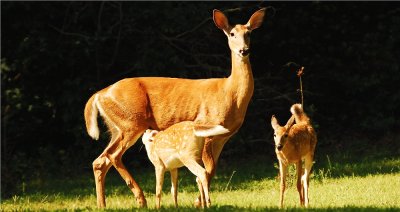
x,y
56,54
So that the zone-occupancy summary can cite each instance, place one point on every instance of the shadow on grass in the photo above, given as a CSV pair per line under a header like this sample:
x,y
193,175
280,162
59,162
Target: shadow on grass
x,y
331,168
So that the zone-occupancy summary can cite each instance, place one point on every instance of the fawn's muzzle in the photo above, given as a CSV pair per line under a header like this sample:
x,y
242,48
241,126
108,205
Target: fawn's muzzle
x,y
279,147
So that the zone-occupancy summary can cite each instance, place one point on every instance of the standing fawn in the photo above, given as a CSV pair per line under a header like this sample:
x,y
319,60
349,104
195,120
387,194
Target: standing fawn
x,y
132,105
180,145
295,142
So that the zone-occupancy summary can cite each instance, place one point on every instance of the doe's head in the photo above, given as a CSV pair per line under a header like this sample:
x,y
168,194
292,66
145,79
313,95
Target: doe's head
x,y
281,132
239,35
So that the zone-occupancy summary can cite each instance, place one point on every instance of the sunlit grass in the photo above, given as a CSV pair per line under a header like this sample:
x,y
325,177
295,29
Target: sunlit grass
x,y
371,184
379,191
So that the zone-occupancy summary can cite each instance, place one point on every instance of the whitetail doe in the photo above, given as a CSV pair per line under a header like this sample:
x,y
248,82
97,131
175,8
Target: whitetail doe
x,y
180,145
295,142
132,105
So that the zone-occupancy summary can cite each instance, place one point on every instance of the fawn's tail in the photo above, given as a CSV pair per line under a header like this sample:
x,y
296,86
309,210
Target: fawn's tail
x,y
298,112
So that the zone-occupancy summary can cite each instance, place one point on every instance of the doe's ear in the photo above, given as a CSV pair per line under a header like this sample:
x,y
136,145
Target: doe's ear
x,y
274,122
220,20
256,19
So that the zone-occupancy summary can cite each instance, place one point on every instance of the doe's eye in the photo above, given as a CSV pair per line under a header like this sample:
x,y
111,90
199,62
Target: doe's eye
x,y
232,34
285,135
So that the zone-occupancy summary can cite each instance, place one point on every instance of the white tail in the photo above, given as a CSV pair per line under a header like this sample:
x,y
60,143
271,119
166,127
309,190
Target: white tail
x,y
208,131
298,113
295,142
91,113
132,105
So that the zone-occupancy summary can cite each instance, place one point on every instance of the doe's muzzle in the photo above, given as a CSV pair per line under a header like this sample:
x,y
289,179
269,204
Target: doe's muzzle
x,y
244,52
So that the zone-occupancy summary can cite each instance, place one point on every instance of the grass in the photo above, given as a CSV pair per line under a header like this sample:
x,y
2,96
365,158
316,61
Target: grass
x,y
372,184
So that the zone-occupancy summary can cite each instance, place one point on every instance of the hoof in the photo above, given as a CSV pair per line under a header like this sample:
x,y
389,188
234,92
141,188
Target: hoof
x,y
197,203
142,202
208,204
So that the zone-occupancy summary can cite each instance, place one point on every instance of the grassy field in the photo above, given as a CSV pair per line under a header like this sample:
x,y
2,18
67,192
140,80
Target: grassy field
x,y
370,184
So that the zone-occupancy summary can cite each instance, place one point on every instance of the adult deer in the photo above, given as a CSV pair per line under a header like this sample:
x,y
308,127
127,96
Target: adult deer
x,y
295,143
132,105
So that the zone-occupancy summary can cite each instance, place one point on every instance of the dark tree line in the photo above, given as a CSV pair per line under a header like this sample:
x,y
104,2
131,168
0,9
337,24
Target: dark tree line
x,y
54,55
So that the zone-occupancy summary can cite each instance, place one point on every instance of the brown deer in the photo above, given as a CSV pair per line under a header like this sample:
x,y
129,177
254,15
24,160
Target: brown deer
x,y
180,145
132,105
295,142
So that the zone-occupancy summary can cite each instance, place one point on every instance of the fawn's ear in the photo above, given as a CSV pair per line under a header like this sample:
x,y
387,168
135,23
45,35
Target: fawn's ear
x,y
274,122
152,134
290,122
221,21
256,19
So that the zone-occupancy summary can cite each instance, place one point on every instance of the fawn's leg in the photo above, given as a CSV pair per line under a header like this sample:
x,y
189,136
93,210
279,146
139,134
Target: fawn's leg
x,y
201,190
299,170
308,163
159,183
209,165
282,172
174,185
201,174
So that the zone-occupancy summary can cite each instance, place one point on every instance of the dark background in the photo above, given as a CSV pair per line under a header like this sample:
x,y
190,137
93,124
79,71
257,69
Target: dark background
x,y
55,55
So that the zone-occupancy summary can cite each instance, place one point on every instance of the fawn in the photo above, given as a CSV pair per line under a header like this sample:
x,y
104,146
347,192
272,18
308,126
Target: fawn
x,y
182,144
295,142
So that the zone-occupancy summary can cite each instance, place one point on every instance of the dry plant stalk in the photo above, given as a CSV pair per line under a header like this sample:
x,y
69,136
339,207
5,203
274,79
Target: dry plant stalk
x,y
299,73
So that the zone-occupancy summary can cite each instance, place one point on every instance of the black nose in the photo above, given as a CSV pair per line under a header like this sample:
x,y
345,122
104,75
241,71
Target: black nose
x,y
279,147
244,52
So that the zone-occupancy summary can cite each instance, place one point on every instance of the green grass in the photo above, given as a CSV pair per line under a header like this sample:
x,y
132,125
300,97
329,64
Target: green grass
x,y
372,184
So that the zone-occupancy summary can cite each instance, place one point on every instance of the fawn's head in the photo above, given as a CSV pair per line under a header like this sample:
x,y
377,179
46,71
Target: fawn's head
x,y
239,35
148,136
281,132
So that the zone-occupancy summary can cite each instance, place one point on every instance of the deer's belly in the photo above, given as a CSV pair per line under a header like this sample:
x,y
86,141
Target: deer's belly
x,y
288,158
170,159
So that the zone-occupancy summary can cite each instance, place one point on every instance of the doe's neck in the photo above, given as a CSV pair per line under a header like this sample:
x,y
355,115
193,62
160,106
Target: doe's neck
x,y
241,82
241,73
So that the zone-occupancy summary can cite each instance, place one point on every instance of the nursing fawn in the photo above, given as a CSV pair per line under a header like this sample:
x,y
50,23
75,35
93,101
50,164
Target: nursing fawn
x,y
295,142
182,144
